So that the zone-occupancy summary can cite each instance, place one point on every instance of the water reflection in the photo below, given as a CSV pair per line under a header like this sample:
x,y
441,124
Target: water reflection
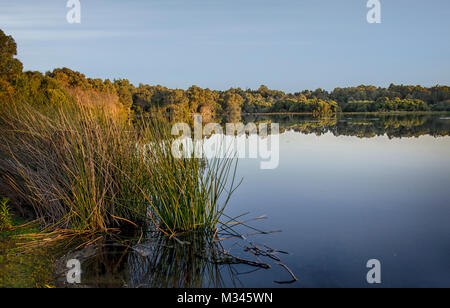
x,y
157,262
371,198
166,263
362,125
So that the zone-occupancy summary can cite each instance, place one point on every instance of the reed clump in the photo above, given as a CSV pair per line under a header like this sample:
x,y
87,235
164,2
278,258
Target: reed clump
x,y
80,166
5,215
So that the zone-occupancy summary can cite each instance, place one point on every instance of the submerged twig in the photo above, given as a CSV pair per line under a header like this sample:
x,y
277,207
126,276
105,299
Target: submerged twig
x,y
294,279
242,236
237,260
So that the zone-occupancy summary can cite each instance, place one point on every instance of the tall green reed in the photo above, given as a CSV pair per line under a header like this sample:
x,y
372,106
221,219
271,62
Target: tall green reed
x,y
5,215
78,166
187,193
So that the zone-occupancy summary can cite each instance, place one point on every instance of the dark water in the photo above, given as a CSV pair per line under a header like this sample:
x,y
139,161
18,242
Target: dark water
x,y
346,190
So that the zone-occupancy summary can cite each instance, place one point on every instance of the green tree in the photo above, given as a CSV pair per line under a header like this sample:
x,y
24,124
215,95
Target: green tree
x,y
202,100
232,102
125,92
10,67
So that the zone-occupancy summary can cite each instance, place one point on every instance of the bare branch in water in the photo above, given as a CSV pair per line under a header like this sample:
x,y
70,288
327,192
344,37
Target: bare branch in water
x,y
294,279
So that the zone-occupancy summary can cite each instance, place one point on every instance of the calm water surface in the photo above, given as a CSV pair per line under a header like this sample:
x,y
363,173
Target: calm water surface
x,y
346,190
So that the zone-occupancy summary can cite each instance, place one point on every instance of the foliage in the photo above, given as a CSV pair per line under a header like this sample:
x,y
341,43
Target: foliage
x,y
69,152
78,166
315,106
185,193
442,106
10,67
63,85
232,102
20,269
386,105
5,215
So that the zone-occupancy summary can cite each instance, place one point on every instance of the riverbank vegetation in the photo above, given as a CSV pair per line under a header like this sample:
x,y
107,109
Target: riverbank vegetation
x,y
72,157
386,105
76,156
86,167
69,143
22,270
63,85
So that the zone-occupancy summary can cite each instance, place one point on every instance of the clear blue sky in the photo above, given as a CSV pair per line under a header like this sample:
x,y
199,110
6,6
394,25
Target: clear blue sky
x,y
285,44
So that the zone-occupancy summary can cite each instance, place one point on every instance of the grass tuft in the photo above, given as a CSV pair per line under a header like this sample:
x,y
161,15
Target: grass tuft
x,y
6,222
79,167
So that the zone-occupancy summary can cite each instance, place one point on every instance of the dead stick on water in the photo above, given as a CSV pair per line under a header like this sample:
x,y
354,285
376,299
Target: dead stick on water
x,y
294,279
248,262
248,234
275,250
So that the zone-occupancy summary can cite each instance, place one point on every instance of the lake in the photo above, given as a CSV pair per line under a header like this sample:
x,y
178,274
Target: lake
x,y
347,190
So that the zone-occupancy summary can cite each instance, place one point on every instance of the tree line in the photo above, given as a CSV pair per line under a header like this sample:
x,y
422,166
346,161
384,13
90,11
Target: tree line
x,y
63,84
